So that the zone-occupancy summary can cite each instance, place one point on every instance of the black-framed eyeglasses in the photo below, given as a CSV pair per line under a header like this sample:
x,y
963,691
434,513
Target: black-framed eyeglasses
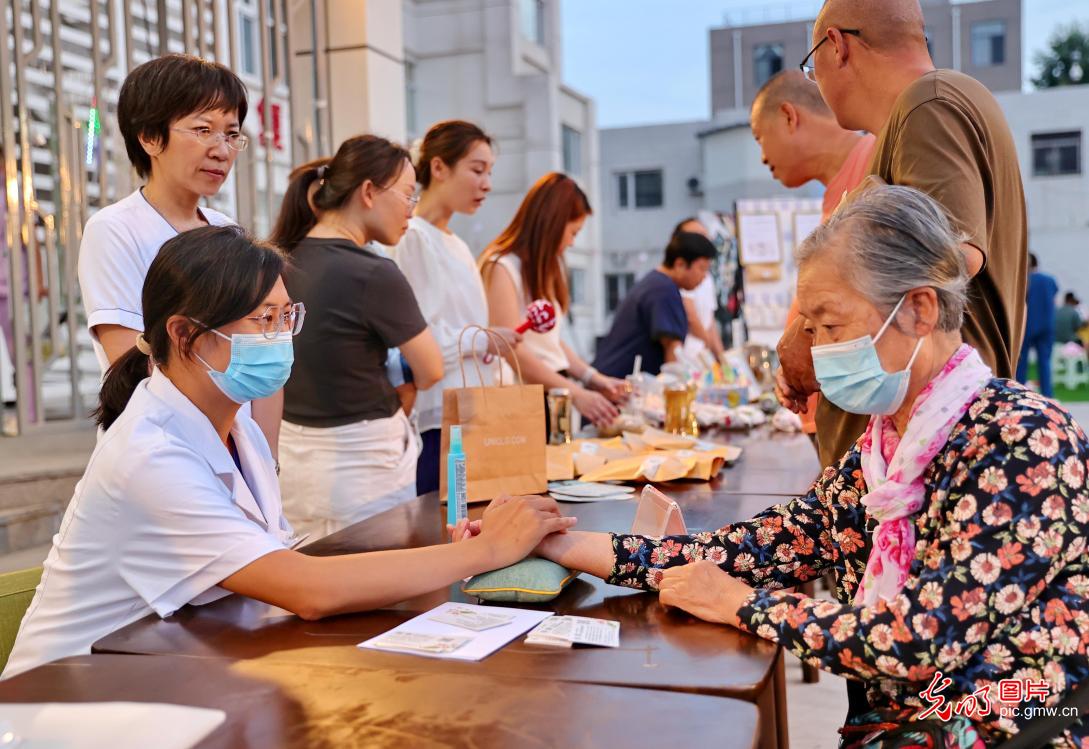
x,y
804,65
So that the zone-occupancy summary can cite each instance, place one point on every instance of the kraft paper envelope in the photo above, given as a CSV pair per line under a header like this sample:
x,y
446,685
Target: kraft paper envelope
x,y
662,466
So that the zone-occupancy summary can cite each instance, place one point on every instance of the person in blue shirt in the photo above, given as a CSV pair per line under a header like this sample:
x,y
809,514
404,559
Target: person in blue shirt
x,y
1039,325
651,321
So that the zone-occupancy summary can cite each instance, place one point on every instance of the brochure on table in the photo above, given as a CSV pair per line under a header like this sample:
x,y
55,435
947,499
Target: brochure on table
x,y
442,639
469,632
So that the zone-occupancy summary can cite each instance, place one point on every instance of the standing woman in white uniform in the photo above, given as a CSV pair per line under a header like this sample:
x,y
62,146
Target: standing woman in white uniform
x,y
347,449
179,503
454,170
181,120
525,263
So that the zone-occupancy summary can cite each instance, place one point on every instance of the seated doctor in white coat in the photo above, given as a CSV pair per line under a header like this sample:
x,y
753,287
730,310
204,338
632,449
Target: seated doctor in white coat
x,y
180,503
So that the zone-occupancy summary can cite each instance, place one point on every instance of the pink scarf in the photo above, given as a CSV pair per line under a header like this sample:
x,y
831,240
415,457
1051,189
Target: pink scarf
x,y
896,489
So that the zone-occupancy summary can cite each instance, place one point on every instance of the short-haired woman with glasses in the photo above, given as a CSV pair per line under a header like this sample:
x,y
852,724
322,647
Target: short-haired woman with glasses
x,y
181,119
180,503
347,449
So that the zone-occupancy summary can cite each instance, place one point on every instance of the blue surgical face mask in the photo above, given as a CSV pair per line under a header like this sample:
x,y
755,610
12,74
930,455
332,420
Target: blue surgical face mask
x,y
851,375
259,366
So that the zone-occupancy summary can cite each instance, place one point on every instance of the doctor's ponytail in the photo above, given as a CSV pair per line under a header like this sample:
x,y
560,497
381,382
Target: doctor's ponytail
x,y
215,274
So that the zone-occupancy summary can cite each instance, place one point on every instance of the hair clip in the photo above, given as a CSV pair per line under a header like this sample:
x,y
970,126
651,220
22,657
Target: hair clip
x,y
321,171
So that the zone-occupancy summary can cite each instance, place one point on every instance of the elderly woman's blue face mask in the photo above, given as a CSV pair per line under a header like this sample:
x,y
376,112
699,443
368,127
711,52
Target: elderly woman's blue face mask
x,y
851,375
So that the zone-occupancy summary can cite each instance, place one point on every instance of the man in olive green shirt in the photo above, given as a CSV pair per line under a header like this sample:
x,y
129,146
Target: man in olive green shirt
x,y
941,132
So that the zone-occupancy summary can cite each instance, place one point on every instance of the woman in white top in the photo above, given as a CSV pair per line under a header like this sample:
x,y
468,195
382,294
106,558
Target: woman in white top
x,y
181,118
180,504
525,263
454,170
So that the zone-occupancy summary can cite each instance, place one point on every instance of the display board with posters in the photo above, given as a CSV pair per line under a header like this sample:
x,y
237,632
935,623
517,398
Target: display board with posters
x,y
768,231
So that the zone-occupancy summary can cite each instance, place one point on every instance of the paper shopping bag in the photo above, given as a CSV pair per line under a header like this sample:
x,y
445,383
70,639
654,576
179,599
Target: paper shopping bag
x,y
502,435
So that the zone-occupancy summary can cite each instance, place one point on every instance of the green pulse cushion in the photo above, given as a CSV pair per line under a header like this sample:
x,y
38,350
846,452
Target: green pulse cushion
x,y
529,581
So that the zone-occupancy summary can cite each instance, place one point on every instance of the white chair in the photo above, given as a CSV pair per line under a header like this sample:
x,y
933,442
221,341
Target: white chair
x,y
1069,366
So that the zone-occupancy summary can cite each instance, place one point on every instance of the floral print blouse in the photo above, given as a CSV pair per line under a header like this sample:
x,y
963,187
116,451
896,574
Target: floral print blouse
x,y
998,588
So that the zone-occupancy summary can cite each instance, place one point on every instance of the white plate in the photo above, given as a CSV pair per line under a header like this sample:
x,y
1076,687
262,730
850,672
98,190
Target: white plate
x,y
611,498
588,489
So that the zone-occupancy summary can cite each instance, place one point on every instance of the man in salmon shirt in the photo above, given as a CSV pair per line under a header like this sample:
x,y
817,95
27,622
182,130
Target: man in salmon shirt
x,y
800,141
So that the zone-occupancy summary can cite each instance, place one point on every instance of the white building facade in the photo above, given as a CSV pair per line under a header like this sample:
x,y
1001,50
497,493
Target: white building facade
x,y
498,64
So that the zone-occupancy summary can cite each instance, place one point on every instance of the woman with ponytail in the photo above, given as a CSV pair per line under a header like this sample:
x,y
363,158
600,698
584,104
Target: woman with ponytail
x,y
454,169
180,504
347,448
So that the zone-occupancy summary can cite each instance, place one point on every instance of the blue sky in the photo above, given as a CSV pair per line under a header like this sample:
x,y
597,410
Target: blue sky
x,y
646,61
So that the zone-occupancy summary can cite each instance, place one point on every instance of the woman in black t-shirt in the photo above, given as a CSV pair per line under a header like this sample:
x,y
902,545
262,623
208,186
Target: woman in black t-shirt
x,y
347,450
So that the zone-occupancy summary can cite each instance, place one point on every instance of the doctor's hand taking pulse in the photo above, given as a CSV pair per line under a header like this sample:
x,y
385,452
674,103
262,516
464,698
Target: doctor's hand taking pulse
x,y
506,517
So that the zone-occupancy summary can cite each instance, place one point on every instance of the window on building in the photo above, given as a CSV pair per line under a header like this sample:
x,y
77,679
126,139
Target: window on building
x,y
767,60
532,12
988,43
249,42
249,48
622,190
576,285
273,40
1055,154
572,151
410,97
617,286
648,189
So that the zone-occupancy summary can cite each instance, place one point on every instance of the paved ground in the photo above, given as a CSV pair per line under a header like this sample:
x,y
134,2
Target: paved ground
x,y
815,711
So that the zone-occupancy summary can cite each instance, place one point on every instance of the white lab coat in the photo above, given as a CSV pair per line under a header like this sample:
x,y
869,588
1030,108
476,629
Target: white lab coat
x,y
161,516
118,245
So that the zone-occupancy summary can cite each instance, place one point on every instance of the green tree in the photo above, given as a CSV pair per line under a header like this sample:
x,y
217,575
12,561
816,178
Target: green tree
x,y
1066,61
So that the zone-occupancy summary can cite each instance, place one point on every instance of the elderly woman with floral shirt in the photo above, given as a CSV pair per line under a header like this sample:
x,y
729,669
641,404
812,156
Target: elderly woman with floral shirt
x,y
955,527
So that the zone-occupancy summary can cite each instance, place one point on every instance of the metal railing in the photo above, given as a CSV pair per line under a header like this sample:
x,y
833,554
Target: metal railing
x,y
62,157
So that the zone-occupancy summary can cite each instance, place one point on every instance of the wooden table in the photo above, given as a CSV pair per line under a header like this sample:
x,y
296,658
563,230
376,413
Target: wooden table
x,y
660,649
271,704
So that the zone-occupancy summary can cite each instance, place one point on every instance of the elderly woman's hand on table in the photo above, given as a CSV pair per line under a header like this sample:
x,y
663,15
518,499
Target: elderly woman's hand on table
x,y
705,590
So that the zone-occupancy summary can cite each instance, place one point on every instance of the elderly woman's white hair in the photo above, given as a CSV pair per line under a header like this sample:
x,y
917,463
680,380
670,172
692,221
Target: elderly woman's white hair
x,y
894,239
